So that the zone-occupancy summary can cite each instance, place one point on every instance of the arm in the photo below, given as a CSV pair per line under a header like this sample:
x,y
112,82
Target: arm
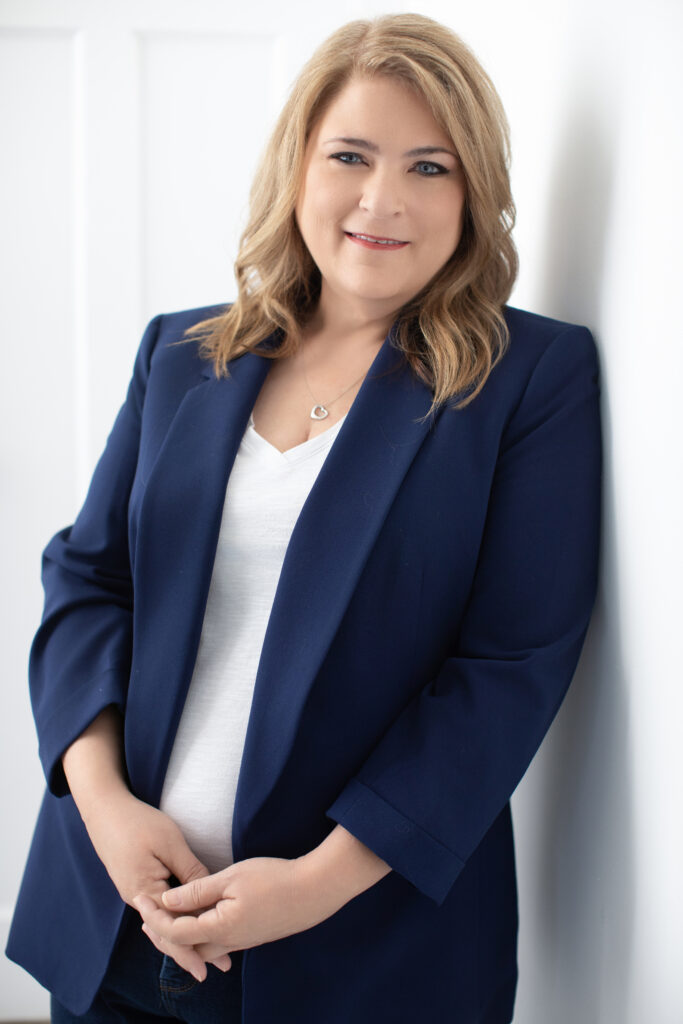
x,y
340,868
261,899
80,657
79,667
447,766
93,764
139,846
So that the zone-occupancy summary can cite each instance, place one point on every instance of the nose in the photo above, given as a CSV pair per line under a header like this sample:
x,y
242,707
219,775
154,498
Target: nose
x,y
382,194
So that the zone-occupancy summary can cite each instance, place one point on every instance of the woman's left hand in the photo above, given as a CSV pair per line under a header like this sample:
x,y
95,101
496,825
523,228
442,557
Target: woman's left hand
x,y
248,903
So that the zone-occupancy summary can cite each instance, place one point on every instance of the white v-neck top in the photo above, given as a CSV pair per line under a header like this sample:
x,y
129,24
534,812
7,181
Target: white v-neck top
x,y
266,491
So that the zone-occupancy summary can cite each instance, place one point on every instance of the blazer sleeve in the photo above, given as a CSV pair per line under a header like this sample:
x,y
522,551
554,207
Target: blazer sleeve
x,y
80,657
447,766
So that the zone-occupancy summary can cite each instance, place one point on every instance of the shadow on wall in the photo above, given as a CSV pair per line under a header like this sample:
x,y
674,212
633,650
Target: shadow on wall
x,y
579,205
585,891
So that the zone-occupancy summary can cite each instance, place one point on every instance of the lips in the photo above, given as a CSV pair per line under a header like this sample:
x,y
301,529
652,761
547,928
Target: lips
x,y
375,241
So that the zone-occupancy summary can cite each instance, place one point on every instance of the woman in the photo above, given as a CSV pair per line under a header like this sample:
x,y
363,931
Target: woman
x,y
341,548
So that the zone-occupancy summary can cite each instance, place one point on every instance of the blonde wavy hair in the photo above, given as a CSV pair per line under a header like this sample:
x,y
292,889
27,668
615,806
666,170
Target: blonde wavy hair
x,y
453,332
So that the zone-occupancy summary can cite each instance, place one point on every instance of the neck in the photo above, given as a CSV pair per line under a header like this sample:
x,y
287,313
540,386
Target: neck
x,y
347,324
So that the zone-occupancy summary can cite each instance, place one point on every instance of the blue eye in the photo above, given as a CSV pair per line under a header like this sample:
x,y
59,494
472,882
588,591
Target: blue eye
x,y
341,157
436,169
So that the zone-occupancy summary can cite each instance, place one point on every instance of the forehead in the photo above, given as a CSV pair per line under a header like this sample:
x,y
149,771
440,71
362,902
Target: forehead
x,y
380,108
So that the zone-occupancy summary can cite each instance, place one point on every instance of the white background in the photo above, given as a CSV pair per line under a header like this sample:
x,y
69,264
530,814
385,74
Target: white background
x,y
130,131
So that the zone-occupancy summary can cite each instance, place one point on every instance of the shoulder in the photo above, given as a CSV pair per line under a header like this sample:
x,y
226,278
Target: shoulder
x,y
532,334
173,325
168,364
547,365
171,349
552,368
539,345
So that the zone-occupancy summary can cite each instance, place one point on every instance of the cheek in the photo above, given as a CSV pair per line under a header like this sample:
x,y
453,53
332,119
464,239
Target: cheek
x,y
328,198
448,225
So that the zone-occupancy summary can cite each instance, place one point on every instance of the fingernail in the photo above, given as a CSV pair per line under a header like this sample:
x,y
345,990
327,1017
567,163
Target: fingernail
x,y
170,898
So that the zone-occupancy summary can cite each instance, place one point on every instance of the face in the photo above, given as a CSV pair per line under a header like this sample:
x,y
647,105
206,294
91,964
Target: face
x,y
382,198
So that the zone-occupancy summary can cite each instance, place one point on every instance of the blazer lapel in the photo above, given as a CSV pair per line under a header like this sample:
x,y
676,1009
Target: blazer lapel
x,y
178,526
332,538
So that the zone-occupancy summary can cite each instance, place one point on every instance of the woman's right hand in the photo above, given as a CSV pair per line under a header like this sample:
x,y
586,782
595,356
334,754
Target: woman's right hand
x,y
140,846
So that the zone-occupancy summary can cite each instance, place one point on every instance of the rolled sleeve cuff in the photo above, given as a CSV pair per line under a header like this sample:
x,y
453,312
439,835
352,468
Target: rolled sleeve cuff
x,y
407,848
71,718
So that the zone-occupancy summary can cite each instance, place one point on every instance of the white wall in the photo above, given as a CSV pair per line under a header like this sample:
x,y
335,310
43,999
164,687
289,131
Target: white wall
x,y
130,132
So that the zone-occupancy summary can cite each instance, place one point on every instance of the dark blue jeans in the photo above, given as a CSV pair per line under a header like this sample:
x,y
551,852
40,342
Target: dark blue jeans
x,y
142,986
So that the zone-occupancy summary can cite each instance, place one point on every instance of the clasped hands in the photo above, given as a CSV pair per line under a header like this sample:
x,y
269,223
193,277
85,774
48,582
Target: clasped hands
x,y
248,903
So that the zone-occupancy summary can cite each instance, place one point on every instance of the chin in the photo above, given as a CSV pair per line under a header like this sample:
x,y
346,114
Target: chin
x,y
394,301
363,291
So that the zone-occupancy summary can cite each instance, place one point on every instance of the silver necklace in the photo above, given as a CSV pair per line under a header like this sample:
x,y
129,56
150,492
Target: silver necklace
x,y
320,411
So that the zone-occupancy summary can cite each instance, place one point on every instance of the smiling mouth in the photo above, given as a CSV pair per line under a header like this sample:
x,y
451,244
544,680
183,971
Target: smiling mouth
x,y
375,242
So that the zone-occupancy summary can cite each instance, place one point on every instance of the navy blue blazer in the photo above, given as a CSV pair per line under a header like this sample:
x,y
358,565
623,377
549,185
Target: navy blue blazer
x,y
430,613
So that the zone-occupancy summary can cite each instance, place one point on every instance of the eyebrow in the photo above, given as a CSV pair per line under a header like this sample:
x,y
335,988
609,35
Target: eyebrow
x,y
373,148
